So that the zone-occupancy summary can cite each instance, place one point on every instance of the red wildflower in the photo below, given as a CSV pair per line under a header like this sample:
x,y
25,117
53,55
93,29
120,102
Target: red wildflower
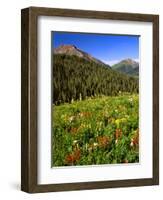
x,y
103,141
118,133
135,139
73,157
85,114
74,130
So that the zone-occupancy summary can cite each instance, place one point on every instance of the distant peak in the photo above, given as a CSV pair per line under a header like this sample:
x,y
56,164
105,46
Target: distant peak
x,y
127,66
128,61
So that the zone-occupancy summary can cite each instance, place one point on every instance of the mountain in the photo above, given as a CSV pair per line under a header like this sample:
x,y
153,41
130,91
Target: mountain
x,y
73,50
77,75
127,66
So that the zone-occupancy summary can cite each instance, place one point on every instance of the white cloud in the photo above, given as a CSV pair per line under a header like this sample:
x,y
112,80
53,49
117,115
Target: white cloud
x,y
112,62
136,60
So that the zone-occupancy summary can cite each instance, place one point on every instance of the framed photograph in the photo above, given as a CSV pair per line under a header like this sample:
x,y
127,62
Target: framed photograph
x,y
90,99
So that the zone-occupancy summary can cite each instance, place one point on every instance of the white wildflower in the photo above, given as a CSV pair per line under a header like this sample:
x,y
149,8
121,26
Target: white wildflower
x,y
95,144
75,142
131,99
132,143
71,118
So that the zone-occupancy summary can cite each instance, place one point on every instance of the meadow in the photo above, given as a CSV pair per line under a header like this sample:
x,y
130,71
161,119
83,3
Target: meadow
x,y
97,130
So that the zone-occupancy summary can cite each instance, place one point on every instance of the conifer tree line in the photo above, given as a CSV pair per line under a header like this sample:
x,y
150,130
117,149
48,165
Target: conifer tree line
x,y
75,78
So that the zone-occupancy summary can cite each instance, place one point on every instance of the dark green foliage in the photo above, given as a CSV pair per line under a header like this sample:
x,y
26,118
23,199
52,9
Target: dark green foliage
x,y
75,78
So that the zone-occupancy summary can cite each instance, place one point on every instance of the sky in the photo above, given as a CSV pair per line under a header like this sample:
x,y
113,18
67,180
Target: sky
x,y
110,49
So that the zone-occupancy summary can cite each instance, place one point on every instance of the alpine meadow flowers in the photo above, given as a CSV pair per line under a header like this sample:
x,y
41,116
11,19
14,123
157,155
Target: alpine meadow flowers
x,y
97,130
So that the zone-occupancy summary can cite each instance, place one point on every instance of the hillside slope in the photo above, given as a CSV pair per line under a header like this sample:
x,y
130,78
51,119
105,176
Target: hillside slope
x,y
128,66
75,78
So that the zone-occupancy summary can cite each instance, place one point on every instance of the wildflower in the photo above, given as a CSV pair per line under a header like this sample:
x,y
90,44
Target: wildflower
x,y
75,142
73,157
131,99
77,154
103,141
135,139
132,142
74,130
117,122
95,144
69,159
118,133
81,114
85,114
71,119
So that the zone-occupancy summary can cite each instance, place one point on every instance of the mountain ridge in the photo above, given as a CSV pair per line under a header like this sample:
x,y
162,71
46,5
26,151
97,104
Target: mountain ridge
x,y
127,66
73,50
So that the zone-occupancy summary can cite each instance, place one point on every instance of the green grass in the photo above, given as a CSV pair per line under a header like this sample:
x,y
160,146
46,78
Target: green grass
x,y
102,130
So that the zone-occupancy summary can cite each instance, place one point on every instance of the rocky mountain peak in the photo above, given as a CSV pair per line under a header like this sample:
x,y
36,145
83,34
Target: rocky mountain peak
x,y
73,50
127,66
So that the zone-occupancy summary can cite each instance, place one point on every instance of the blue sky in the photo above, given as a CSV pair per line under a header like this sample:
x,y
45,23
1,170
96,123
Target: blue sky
x,y
108,48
